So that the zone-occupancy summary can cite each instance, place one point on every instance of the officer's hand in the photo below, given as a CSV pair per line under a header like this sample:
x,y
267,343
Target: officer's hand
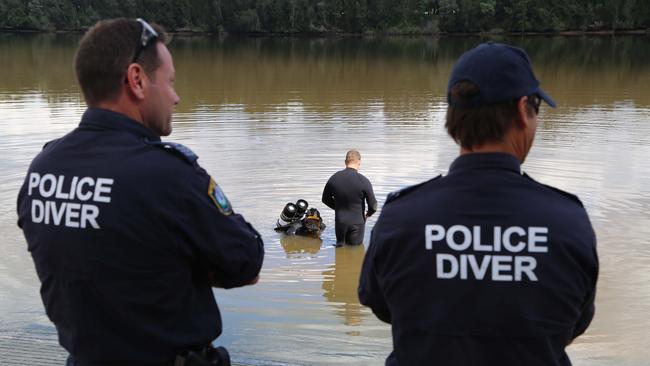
x,y
213,280
215,283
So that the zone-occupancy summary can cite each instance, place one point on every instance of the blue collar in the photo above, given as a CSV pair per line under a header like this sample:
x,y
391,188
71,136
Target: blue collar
x,y
106,119
475,161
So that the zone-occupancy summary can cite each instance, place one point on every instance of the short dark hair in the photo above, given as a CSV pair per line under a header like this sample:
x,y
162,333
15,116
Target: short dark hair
x,y
105,53
470,127
352,155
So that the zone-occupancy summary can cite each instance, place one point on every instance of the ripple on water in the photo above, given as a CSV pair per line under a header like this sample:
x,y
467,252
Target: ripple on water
x,y
271,144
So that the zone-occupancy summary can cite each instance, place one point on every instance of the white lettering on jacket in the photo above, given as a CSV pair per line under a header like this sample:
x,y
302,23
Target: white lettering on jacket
x,y
67,201
503,259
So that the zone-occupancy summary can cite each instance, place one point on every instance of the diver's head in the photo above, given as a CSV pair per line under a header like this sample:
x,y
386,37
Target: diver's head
x,y
353,159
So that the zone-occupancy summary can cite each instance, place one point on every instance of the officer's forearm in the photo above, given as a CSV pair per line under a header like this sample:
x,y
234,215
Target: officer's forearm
x,y
238,273
375,303
254,280
382,314
245,271
215,283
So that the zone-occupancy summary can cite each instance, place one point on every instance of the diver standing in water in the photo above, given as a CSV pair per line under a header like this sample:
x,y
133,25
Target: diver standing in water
x,y
347,192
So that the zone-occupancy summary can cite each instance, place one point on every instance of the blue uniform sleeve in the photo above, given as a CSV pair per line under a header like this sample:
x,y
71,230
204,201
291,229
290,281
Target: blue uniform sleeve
x,y
370,293
588,309
229,248
586,316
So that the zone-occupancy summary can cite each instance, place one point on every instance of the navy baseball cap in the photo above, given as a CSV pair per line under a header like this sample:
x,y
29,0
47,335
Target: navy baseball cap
x,y
500,71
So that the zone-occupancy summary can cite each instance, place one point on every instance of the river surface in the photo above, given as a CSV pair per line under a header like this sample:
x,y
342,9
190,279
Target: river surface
x,y
271,120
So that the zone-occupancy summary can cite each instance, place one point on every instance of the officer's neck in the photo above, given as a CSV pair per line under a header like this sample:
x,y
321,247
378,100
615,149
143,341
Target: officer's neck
x,y
121,106
505,147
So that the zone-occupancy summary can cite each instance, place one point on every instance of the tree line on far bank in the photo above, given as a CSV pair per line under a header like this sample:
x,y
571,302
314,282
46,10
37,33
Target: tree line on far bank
x,y
339,16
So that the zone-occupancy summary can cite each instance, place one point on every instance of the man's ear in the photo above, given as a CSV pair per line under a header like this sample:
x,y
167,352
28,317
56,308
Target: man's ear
x,y
136,81
523,113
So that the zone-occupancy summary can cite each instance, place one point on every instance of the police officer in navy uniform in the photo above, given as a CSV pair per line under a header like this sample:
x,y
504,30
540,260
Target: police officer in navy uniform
x,y
128,233
484,266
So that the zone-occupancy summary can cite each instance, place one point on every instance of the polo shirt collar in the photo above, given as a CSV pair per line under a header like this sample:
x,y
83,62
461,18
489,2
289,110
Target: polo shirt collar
x,y
110,120
473,161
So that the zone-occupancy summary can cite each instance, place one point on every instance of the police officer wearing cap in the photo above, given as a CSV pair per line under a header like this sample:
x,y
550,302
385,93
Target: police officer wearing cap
x,y
128,233
484,266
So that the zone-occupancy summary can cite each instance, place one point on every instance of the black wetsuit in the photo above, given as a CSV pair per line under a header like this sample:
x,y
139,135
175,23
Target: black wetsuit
x,y
347,192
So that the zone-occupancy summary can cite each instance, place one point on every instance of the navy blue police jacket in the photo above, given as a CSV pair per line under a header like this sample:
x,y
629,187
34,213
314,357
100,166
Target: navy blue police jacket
x,y
483,266
127,234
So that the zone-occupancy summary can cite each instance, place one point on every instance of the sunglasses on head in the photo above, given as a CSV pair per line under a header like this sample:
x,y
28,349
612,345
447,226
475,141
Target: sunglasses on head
x,y
535,101
148,35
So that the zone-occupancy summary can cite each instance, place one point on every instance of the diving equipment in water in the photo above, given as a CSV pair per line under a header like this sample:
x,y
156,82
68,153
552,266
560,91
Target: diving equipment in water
x,y
298,219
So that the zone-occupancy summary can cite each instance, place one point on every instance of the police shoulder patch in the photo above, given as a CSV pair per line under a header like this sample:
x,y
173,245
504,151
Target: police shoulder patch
x,y
219,198
570,196
404,191
179,149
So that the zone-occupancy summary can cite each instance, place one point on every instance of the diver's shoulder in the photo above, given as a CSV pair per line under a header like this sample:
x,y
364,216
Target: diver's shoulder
x,y
338,175
404,192
363,177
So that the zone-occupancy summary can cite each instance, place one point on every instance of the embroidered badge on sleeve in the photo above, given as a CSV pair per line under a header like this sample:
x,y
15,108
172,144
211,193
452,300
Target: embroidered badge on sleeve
x,y
219,198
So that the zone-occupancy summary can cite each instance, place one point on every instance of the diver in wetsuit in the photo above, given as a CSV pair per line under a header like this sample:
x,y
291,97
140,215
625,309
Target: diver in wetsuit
x,y
347,192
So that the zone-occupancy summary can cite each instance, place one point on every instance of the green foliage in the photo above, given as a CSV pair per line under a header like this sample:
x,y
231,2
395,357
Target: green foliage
x,y
14,14
351,16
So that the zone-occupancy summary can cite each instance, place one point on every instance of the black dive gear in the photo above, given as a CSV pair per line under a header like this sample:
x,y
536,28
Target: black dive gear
x,y
297,219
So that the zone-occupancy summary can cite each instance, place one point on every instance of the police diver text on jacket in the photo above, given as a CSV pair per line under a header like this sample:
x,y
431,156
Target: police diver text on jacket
x,y
68,213
512,239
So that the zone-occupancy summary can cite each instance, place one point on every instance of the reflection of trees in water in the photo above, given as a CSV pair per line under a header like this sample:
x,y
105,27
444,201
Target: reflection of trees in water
x,y
296,246
341,281
324,74
37,62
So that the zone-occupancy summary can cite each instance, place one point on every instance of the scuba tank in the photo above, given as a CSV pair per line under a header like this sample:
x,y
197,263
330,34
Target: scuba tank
x,y
296,218
301,207
288,215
